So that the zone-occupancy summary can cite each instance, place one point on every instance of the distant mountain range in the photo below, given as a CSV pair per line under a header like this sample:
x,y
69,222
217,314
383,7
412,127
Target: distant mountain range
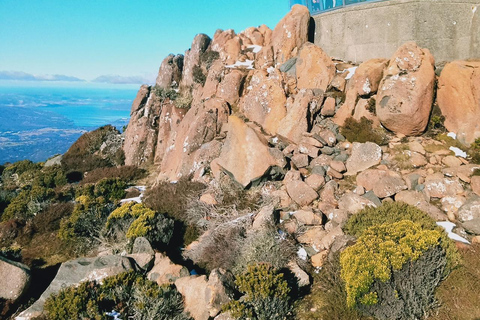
x,y
113,79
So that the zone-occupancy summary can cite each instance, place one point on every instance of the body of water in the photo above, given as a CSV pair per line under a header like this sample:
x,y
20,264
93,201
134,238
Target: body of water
x,y
37,122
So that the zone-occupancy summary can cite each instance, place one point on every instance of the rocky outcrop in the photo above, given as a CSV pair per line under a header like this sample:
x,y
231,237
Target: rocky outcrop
x,y
264,102
192,58
296,121
405,95
245,153
74,272
14,279
201,124
170,72
458,97
165,271
314,68
141,133
290,34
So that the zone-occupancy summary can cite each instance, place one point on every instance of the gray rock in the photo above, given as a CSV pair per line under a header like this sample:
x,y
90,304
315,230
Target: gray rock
x,y
142,245
56,160
74,272
14,279
370,195
472,226
470,210
289,66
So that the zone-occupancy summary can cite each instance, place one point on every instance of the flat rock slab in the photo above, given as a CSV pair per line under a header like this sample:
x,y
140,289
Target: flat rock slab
x,y
14,279
76,271
364,156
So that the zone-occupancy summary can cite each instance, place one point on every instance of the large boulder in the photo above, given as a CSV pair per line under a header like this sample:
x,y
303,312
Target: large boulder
x,y
264,102
204,298
192,58
170,72
315,69
230,87
296,121
290,33
73,272
14,279
384,183
165,271
245,154
458,97
202,123
301,193
405,96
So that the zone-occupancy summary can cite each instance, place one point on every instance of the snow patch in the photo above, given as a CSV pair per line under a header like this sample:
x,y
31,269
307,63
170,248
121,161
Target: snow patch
x,y
248,64
458,152
351,72
448,226
256,48
270,69
452,135
302,254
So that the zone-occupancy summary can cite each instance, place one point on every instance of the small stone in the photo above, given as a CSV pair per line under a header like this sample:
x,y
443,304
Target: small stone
x,y
328,150
308,149
328,109
451,161
334,174
475,184
338,166
416,147
315,181
319,259
364,156
307,217
208,198
301,193
300,160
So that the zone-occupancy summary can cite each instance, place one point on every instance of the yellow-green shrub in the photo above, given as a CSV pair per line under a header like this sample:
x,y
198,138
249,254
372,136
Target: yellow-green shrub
x,y
391,212
379,251
145,222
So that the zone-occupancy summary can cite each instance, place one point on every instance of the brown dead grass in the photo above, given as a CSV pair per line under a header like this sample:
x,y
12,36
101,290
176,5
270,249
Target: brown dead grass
x,y
459,294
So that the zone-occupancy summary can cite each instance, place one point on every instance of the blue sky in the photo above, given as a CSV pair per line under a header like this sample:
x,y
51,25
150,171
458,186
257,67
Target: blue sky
x,y
89,38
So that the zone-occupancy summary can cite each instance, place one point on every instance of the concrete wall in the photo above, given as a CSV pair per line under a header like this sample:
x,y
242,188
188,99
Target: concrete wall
x,y
449,28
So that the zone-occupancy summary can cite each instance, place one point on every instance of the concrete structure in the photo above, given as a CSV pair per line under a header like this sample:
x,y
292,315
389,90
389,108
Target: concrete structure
x,y
449,28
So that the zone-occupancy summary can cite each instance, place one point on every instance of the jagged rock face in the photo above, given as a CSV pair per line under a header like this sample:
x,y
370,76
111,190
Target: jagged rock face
x,y
245,154
296,122
368,75
170,119
73,272
170,72
458,97
192,58
290,33
215,74
231,86
142,130
264,102
405,96
315,69
15,279
223,42
201,124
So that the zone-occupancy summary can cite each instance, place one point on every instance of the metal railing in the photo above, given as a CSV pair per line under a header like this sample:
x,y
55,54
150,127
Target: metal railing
x,y
319,6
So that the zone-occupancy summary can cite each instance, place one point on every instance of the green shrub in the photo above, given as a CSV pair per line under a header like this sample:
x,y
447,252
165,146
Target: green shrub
x,y
265,294
172,198
50,177
198,75
124,173
82,157
391,212
379,251
265,246
208,57
184,101
362,131
436,124
327,299
110,189
474,151
127,293
142,222
165,94
19,174
28,203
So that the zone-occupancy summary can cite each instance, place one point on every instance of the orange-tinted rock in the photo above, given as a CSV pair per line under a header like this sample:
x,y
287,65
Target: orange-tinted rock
x,y
368,75
165,271
245,154
215,73
290,33
458,97
295,122
170,72
170,118
200,125
405,96
220,40
229,88
314,68
301,193
328,108
264,102
192,58
141,133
